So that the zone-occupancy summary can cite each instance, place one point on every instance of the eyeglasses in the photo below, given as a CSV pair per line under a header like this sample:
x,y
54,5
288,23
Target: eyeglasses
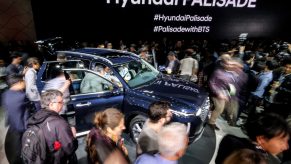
x,y
60,102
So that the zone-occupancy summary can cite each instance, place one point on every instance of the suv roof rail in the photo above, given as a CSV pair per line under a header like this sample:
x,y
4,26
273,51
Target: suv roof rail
x,y
84,54
48,40
66,61
125,53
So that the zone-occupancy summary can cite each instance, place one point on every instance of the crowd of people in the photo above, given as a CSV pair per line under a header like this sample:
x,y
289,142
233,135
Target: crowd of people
x,y
241,77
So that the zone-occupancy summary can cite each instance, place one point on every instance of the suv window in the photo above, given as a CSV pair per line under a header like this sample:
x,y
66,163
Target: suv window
x,y
106,71
137,72
85,62
84,81
51,67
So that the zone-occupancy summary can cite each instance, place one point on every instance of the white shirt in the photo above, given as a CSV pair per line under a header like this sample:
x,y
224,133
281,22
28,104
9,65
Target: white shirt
x,y
187,66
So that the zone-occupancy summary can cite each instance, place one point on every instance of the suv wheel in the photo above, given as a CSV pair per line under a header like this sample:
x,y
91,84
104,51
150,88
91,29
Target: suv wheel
x,y
135,127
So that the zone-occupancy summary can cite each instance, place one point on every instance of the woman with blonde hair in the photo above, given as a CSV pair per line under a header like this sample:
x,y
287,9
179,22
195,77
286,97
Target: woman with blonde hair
x,y
105,138
30,83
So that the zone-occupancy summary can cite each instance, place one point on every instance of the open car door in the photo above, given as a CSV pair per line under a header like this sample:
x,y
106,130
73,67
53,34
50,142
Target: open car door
x,y
91,93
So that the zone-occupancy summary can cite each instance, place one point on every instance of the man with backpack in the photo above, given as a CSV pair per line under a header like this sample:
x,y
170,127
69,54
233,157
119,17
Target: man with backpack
x,y
49,138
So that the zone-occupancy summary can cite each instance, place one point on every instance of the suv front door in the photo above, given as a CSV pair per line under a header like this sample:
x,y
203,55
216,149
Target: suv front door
x,y
91,93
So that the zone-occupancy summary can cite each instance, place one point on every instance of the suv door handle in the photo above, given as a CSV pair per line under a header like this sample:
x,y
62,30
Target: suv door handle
x,y
83,104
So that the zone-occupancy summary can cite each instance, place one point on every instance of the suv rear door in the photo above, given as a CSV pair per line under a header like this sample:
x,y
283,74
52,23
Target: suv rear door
x,y
82,106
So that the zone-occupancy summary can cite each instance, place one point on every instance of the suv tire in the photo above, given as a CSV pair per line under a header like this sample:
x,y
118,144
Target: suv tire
x,y
135,127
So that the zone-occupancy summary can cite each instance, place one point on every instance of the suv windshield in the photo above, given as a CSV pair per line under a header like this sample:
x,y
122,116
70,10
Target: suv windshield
x,y
137,72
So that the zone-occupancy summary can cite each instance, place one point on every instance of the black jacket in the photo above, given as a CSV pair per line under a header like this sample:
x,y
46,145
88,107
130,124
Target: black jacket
x,y
230,144
176,66
56,130
284,91
283,95
15,105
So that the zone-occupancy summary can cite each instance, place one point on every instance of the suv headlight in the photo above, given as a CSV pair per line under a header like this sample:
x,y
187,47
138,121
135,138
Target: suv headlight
x,y
182,114
199,111
202,112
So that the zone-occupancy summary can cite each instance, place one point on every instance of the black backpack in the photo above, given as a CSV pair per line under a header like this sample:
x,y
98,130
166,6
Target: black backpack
x,y
34,146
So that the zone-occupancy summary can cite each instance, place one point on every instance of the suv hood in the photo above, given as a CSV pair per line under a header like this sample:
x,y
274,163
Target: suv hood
x,y
175,90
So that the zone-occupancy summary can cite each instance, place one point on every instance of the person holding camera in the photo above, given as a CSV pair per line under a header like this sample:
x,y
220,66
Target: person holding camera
x,y
30,82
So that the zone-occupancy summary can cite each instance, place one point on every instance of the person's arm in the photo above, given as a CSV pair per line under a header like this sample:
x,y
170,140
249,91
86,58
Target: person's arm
x,y
105,82
65,86
115,80
195,68
66,137
25,69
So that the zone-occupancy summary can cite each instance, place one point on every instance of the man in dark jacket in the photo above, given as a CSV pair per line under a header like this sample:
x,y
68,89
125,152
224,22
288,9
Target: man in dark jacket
x,y
59,136
172,64
14,103
278,98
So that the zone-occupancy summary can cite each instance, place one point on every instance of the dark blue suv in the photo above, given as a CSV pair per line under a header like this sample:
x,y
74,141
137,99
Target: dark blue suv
x,y
131,85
